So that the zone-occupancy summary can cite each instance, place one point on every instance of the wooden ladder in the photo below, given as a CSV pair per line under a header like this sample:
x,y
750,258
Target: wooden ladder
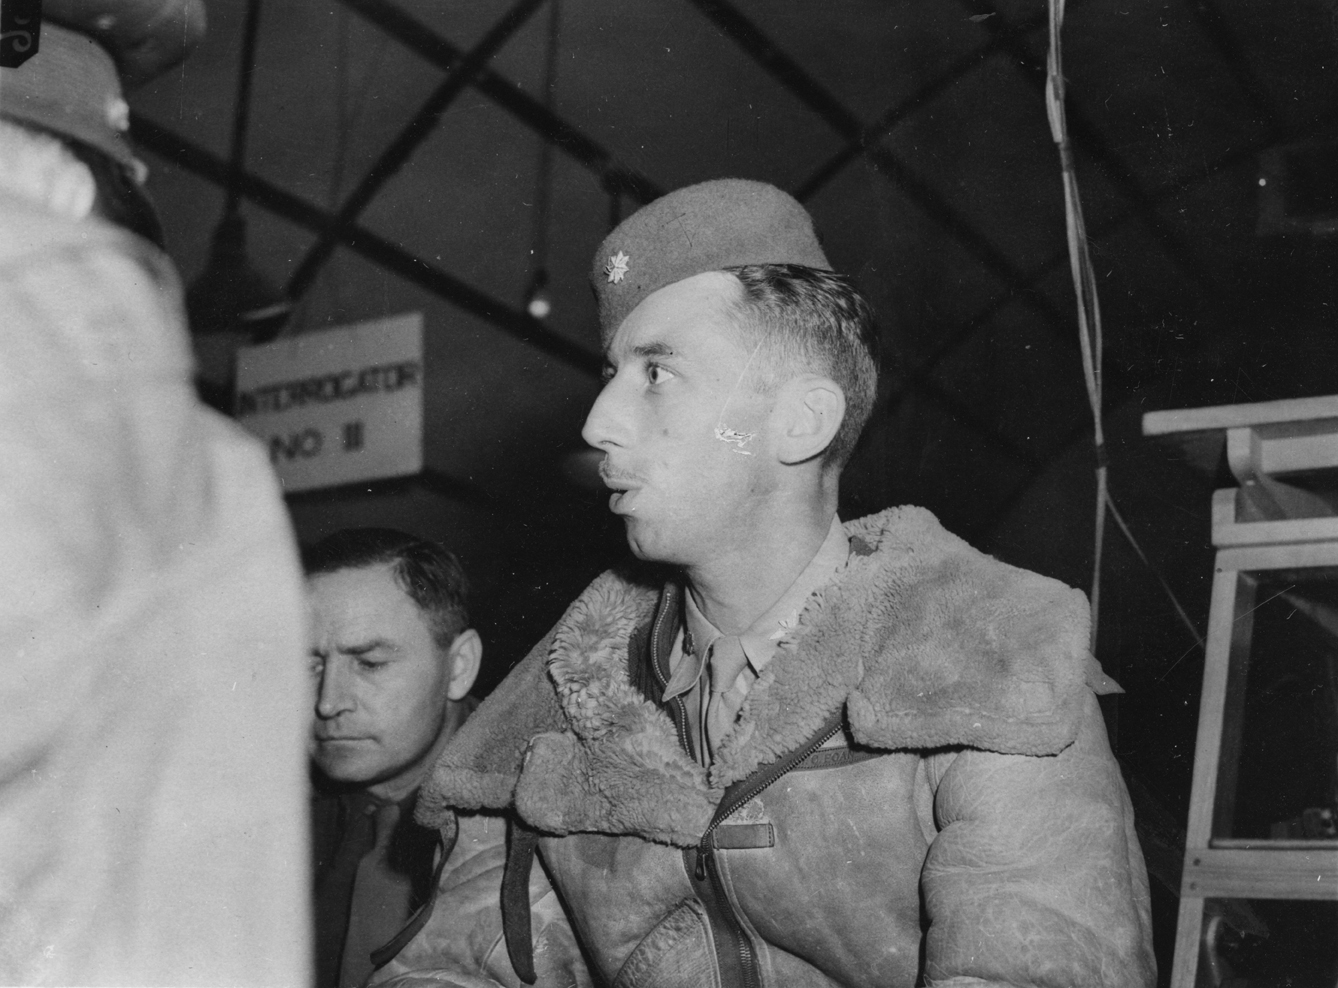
x,y
1269,524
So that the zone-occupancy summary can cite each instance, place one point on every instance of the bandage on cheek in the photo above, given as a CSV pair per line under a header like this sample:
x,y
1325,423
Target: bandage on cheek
x,y
735,438
724,433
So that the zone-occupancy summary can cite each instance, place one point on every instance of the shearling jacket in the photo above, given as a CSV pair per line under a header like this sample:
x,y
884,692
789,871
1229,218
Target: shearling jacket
x,y
951,813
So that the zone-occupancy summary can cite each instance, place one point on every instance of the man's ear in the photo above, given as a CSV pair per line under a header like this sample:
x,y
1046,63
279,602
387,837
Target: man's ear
x,y
466,653
811,409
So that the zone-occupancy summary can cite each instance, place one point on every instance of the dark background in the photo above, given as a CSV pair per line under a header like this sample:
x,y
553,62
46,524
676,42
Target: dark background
x,y
916,134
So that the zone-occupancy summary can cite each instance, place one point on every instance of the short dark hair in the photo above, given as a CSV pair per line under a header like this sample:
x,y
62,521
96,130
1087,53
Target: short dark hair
x,y
430,574
806,318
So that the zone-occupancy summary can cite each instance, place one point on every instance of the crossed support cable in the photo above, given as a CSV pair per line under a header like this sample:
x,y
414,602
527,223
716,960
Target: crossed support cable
x,y
614,176
371,245
1009,38
1171,188
861,142
854,149
394,157
342,228
1211,22
620,181
816,97
1116,169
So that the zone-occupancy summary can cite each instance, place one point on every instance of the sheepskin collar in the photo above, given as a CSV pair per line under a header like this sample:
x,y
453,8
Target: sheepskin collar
x,y
926,642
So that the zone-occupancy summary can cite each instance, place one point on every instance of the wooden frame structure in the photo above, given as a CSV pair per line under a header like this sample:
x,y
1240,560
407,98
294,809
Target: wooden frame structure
x,y
1266,524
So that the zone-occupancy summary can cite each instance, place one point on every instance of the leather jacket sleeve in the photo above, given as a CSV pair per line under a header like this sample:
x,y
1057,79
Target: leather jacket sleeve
x,y
462,944
1034,876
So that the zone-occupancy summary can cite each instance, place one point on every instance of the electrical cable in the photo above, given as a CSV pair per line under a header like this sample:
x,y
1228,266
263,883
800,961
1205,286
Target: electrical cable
x,y
241,113
1084,285
537,302
1175,601
1089,326
350,106
339,162
230,294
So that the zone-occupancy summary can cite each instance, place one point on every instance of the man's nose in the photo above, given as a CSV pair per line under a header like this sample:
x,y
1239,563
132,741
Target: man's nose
x,y
604,426
334,695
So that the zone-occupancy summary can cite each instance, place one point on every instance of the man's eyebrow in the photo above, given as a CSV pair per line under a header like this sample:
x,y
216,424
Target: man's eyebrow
x,y
641,350
362,648
653,350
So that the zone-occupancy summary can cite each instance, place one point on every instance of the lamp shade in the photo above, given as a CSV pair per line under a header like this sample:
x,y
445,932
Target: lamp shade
x,y
230,294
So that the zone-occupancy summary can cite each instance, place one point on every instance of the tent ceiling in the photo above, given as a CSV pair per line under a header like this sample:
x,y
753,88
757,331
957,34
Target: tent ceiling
x,y
394,144
915,132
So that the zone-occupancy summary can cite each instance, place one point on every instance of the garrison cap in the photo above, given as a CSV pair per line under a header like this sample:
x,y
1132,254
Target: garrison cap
x,y
71,86
707,227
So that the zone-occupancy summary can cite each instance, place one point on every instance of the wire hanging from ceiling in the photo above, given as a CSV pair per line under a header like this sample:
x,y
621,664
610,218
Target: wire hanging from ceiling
x,y
1084,285
1089,326
538,303
230,294
350,106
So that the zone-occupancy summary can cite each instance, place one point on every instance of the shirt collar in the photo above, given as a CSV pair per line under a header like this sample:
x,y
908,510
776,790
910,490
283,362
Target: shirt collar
x,y
759,639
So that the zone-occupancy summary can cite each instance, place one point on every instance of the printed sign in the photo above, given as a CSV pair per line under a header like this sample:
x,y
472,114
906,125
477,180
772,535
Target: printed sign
x,y
339,405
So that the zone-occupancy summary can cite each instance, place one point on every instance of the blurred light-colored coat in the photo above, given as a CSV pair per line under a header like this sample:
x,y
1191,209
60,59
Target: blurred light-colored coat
x,y
153,696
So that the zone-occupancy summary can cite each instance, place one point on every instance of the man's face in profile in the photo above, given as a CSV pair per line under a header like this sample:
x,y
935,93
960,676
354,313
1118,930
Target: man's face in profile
x,y
381,681
687,438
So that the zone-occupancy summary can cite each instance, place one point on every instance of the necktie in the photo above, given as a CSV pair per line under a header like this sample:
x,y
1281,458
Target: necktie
x,y
380,901
335,876
726,662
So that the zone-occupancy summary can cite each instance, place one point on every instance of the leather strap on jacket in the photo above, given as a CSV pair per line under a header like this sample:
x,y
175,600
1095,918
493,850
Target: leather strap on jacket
x,y
520,844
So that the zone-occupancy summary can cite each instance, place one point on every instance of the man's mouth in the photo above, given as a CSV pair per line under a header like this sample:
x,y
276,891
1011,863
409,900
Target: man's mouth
x,y
622,484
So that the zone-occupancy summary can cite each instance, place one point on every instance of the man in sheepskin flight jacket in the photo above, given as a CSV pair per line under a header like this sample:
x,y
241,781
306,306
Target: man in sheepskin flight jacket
x,y
801,751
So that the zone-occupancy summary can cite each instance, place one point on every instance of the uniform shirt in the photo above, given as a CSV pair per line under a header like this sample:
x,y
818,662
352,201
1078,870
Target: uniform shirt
x,y
688,661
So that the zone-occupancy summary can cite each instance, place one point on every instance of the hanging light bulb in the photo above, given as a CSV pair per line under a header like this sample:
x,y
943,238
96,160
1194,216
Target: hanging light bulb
x,y
537,301
539,306
230,294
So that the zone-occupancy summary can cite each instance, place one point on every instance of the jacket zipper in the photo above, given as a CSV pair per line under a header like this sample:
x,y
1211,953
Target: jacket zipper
x,y
720,914
707,869
680,722
762,782
709,886
725,924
